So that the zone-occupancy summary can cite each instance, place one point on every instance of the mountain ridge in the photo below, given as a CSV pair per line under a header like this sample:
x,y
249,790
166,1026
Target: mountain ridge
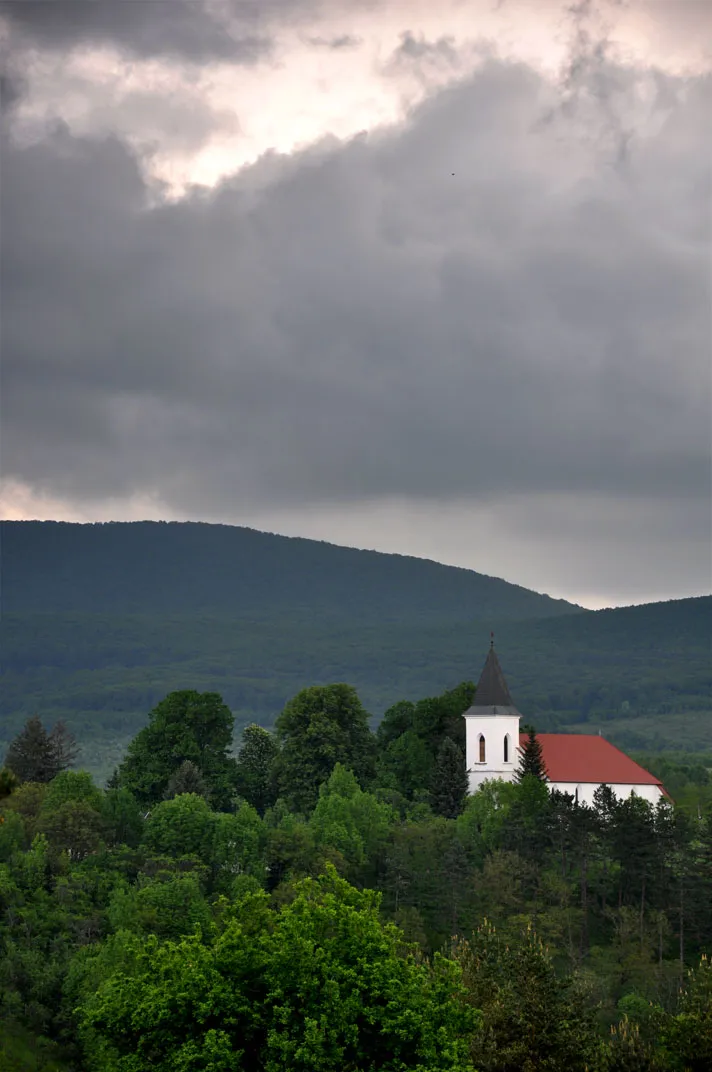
x,y
176,566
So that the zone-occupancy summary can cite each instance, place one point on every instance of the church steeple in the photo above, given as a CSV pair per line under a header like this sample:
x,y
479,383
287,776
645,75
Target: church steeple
x,y
491,727
492,690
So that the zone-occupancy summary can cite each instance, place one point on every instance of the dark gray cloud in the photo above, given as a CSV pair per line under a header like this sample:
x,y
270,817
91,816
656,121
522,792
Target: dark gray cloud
x,y
195,30
189,29
12,89
357,322
337,44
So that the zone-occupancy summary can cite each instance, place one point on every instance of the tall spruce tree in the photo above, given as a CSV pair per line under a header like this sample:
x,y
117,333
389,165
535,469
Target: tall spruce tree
x,y
64,746
532,764
38,756
187,779
449,782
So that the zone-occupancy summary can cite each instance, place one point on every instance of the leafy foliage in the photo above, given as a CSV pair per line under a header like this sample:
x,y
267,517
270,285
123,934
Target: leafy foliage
x,y
254,776
185,727
187,779
322,726
320,984
379,926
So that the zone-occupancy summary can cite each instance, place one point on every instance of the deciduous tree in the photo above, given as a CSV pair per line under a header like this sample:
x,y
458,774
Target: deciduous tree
x,y
255,779
185,726
320,727
351,821
321,985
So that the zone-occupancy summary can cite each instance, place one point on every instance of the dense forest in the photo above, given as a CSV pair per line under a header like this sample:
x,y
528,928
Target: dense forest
x,y
100,621
167,568
331,899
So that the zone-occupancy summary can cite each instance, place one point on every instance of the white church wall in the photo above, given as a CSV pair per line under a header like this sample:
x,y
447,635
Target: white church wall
x,y
491,748
651,793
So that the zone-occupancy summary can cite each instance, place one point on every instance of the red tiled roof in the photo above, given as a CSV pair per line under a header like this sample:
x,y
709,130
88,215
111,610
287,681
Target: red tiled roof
x,y
575,757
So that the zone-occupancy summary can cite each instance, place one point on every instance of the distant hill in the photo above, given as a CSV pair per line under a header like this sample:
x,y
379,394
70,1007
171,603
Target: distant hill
x,y
150,567
117,629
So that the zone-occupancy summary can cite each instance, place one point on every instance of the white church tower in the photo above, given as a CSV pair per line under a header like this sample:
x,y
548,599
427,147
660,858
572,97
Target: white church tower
x,y
491,728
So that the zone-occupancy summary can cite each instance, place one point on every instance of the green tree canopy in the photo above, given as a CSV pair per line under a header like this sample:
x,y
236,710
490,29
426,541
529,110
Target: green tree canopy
x,y
167,905
533,1021
350,820
689,1037
322,726
255,763
432,719
8,783
438,717
405,763
183,826
321,985
123,824
185,726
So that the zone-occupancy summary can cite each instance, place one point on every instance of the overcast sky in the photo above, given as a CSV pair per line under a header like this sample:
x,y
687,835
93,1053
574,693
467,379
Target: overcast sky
x,y
427,278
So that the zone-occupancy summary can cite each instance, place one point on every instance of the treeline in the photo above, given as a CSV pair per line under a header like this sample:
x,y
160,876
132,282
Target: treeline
x,y
332,899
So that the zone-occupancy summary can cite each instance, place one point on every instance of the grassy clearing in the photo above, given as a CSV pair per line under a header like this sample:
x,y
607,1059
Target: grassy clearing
x,y
689,731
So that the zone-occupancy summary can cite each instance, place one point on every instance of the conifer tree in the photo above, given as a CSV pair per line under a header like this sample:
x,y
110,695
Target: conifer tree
x,y
187,779
449,783
64,746
532,764
38,756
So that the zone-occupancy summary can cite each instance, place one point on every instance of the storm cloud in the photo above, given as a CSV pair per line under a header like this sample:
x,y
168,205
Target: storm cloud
x,y
504,298
185,28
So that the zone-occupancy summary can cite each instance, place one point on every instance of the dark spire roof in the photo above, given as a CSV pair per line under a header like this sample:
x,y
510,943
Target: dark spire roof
x,y
492,696
492,689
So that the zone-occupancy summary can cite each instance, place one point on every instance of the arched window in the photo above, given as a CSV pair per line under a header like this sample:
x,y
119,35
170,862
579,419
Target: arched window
x,y
482,748
506,748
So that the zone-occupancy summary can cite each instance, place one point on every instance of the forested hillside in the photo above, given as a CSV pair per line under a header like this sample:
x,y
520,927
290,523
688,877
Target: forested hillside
x,y
162,568
643,673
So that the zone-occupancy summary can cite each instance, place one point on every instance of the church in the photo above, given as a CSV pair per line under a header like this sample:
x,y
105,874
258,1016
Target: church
x,y
575,763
